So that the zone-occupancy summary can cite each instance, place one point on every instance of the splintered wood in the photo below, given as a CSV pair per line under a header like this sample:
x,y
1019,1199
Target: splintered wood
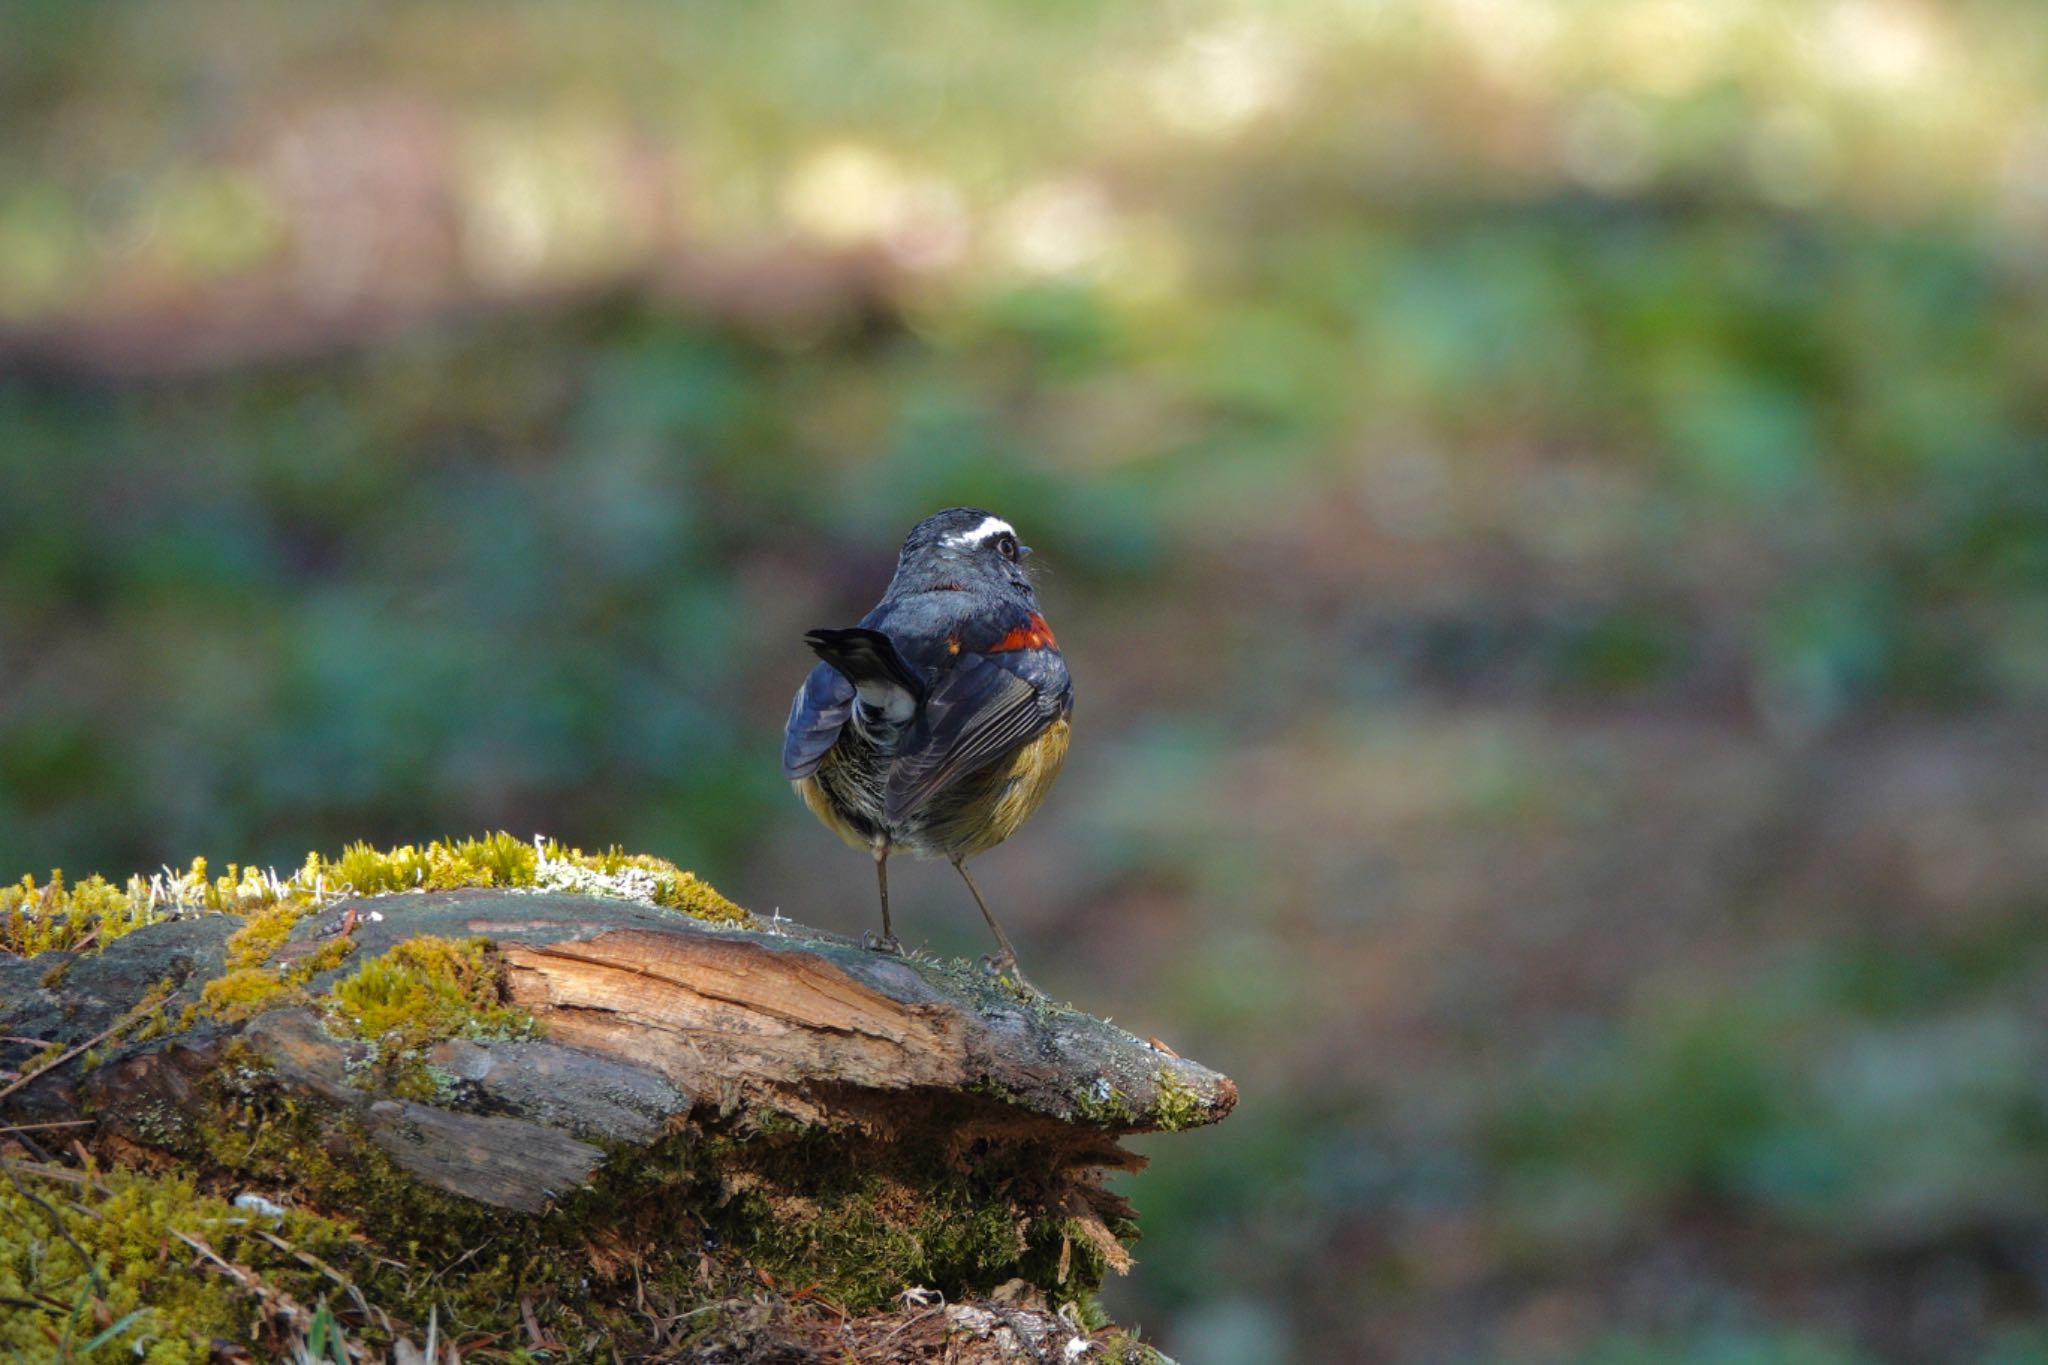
x,y
706,1010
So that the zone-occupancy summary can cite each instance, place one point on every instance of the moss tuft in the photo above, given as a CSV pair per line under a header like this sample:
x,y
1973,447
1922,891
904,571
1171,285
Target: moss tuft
x,y
443,865
1103,1103
634,876
1178,1106
862,1220
420,993
54,915
697,898
247,992
326,955
250,987
259,938
143,1291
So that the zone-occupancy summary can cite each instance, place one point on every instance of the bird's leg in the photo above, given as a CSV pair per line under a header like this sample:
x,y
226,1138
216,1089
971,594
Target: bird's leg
x,y
1006,960
887,942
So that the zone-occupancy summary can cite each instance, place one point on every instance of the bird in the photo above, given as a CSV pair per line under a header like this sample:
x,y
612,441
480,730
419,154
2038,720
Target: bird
x,y
936,725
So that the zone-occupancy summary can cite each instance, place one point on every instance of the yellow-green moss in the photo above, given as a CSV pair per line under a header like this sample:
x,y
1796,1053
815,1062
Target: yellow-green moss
x,y
144,1293
635,876
422,992
43,917
53,915
246,993
262,934
691,894
326,954
687,1221
443,865
1178,1106
160,1020
251,988
1103,1103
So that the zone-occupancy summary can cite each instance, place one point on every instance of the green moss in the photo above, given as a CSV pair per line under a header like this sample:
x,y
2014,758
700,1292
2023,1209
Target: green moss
x,y
860,1218
250,987
1178,1106
422,992
54,915
1105,1104
40,918
258,940
336,1164
443,865
701,1216
246,993
141,1291
158,1021
250,1126
1123,1348
325,956
636,876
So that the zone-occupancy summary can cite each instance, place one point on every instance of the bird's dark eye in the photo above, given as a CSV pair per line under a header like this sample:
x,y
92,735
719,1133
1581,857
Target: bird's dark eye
x,y
1006,546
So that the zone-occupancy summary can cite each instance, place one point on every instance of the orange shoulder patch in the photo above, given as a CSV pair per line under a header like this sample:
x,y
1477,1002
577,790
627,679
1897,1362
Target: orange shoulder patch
x,y
1035,634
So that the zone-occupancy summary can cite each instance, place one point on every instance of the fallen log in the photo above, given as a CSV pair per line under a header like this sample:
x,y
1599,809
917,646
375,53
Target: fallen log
x,y
579,1124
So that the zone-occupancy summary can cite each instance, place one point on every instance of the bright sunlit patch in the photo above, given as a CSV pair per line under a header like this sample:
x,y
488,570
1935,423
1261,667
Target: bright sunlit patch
x,y
539,199
1513,39
849,195
1886,43
1668,48
1221,78
845,194
1058,227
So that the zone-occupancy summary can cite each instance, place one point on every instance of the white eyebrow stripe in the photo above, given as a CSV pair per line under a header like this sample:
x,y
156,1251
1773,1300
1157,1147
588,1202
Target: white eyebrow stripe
x,y
990,526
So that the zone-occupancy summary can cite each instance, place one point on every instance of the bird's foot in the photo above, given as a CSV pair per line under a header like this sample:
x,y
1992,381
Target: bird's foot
x,y
1003,966
882,943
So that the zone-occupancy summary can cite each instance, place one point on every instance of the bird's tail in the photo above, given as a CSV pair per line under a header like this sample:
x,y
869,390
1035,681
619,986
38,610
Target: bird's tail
x,y
887,685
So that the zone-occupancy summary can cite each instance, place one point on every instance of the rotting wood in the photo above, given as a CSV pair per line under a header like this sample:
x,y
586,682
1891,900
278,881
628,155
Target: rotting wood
x,y
653,1029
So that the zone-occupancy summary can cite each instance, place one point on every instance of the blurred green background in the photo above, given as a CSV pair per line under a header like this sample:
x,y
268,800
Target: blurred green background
x,y
1546,503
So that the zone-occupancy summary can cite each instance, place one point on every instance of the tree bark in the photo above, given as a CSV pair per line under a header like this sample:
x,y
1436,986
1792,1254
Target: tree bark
x,y
781,1099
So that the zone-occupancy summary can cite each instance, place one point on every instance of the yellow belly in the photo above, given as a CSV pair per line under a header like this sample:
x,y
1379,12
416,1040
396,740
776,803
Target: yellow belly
x,y
973,815
818,797
985,808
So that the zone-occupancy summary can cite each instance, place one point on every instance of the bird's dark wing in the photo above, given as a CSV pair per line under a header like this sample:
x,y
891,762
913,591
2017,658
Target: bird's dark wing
x,y
815,718
977,711
885,683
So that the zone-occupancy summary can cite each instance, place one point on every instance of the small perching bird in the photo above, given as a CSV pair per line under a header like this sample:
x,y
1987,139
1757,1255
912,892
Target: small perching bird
x,y
937,725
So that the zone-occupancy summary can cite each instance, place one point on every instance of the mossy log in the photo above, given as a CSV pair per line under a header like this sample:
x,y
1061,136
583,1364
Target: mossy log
x,y
570,1125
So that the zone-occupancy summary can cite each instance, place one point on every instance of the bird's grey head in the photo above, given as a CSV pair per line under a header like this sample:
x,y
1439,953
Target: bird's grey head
x,y
966,547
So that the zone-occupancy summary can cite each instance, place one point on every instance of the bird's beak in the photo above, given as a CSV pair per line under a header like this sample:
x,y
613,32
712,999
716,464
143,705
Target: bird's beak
x,y
1023,552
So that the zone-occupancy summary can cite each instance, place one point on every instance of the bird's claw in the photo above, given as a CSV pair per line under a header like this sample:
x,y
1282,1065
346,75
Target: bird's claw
x,y
882,943
1003,967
